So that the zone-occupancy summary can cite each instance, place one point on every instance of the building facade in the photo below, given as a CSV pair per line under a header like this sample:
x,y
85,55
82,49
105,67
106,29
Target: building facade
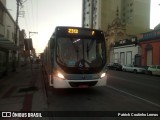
x,y
9,45
134,13
120,19
91,17
125,52
150,47
115,32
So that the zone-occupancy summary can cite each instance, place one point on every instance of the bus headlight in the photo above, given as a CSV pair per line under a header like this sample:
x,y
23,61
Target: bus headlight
x,y
103,75
60,75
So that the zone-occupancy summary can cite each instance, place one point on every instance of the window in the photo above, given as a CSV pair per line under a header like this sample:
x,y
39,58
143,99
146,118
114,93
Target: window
x,y
86,53
122,58
133,39
12,35
1,16
8,34
131,10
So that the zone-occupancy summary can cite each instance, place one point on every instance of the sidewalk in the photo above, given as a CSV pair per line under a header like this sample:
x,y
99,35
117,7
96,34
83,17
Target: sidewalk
x,y
23,90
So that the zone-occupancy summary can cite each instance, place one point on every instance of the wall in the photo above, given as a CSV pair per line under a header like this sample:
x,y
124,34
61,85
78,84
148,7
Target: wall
x,y
1,19
3,2
140,19
9,28
126,49
155,51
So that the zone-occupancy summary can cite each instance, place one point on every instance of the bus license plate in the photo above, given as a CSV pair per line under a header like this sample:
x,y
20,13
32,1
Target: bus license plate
x,y
83,86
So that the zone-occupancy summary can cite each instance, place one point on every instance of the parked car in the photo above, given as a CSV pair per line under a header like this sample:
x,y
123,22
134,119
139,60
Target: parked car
x,y
114,66
132,68
153,70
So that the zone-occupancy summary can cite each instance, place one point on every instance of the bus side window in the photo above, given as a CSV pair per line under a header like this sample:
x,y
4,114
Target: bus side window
x,y
52,51
52,43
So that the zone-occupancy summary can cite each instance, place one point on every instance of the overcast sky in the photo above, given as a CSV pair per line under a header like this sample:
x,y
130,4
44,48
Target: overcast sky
x,y
43,16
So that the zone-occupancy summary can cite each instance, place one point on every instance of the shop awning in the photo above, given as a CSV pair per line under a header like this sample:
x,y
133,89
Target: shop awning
x,y
7,44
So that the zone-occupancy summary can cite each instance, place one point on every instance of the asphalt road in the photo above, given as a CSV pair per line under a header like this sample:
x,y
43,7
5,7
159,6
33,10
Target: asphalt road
x,y
139,85
124,92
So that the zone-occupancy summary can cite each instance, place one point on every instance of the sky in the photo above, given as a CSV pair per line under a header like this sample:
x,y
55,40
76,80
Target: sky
x,y
43,16
154,13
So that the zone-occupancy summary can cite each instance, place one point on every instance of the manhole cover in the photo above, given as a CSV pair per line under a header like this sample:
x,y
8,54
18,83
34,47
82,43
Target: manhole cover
x,y
28,89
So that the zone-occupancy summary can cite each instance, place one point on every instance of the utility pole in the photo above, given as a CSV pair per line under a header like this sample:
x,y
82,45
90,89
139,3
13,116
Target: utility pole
x,y
30,33
16,32
19,3
19,14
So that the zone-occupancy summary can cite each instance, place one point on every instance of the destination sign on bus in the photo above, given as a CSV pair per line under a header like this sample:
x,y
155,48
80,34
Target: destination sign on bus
x,y
73,31
82,32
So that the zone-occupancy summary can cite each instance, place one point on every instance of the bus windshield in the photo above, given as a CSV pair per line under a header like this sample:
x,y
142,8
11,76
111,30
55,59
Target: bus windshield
x,y
80,55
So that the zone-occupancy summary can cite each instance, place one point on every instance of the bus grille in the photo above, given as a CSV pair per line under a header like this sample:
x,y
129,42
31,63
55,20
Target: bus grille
x,y
77,84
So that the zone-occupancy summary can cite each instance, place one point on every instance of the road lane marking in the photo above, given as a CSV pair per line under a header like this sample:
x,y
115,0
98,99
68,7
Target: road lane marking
x,y
155,104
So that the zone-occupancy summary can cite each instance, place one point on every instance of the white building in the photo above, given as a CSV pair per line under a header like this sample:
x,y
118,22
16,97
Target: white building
x,y
8,45
91,14
125,51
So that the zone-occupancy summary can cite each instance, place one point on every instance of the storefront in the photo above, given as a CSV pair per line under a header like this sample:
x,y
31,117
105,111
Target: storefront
x,y
7,55
3,61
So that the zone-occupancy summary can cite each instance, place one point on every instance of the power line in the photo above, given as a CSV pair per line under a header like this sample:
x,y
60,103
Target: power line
x,y
30,11
27,16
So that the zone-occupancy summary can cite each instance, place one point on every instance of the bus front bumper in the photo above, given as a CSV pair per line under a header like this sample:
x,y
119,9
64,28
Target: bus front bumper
x,y
57,82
